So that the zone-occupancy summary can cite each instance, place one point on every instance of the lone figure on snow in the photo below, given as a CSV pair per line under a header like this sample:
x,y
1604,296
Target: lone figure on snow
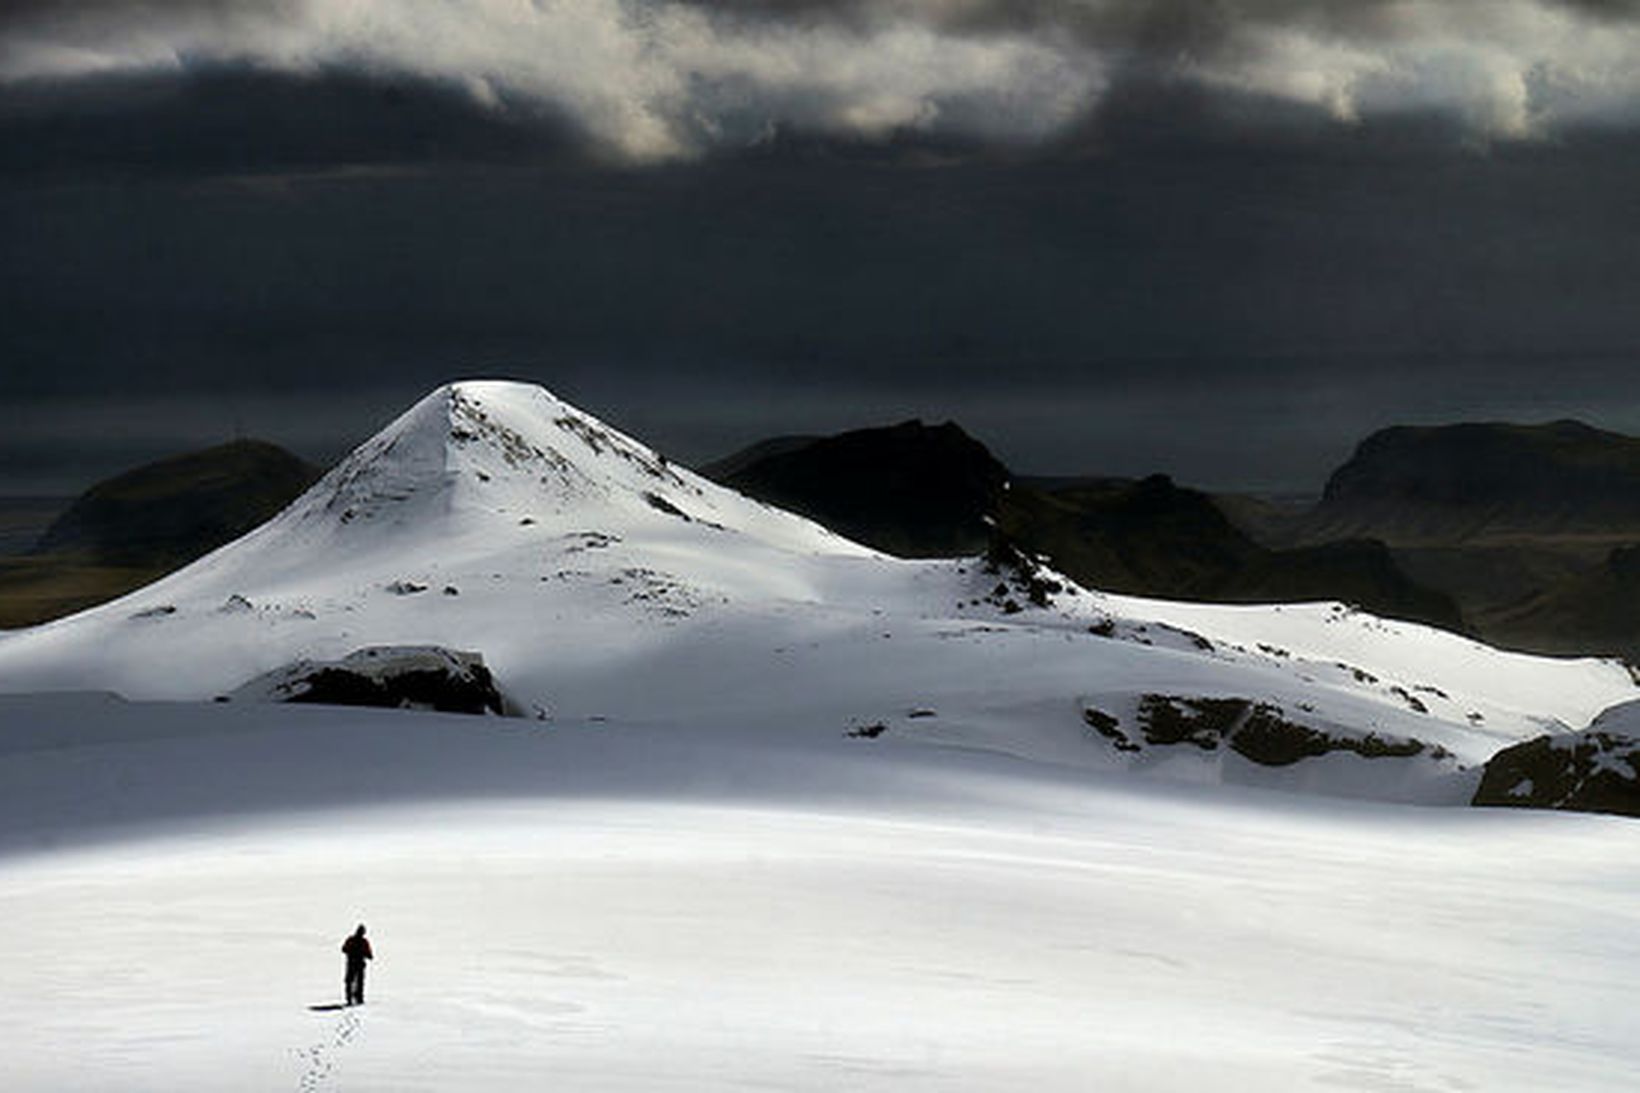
x,y
357,951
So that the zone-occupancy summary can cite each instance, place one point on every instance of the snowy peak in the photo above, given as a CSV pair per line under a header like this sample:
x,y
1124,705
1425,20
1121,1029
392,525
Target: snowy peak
x,y
501,452
486,444
521,438
401,468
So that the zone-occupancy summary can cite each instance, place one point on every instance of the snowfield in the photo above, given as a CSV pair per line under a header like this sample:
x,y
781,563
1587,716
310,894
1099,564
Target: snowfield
x,y
781,813
607,908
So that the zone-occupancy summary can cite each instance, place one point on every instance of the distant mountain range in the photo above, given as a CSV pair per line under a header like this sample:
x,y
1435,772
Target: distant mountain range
x,y
933,491
1523,534
1527,535
1531,528
496,548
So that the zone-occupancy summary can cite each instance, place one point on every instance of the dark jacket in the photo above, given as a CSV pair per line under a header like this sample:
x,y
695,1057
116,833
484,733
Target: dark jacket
x,y
357,949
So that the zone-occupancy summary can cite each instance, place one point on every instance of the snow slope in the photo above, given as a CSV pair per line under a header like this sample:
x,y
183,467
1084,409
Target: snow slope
x,y
599,581
789,815
684,907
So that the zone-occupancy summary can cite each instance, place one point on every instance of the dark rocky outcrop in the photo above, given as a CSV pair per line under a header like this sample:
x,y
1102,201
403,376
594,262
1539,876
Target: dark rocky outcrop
x,y
1109,726
1146,537
424,677
911,489
1592,771
1022,579
170,512
1258,731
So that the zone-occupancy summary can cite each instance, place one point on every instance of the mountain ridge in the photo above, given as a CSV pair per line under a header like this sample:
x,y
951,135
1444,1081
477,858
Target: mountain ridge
x,y
600,583
916,490
1409,484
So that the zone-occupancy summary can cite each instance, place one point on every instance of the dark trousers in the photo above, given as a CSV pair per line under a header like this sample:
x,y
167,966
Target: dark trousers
x,y
353,982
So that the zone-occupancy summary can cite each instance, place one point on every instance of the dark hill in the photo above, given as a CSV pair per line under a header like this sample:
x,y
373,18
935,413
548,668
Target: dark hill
x,y
1453,482
134,528
910,489
1149,537
177,509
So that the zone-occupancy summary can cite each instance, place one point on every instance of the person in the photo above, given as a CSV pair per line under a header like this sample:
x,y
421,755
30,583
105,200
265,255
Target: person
x,y
357,951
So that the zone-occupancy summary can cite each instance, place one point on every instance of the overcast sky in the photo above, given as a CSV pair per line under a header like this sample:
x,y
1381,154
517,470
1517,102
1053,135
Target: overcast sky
x,y
1220,239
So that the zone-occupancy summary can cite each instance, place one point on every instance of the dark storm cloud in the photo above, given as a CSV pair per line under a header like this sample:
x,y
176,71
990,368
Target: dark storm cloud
x,y
1223,240
672,78
223,120
1213,307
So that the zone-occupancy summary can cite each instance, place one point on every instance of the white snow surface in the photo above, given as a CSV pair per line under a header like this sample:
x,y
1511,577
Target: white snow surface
x,y
684,873
683,907
598,580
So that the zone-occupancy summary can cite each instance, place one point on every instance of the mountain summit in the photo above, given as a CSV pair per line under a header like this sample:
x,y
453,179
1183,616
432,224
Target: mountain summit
x,y
481,454
495,526
484,513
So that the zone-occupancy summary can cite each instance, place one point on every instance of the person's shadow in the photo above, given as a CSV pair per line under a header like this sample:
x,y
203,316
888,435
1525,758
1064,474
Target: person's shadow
x,y
327,1007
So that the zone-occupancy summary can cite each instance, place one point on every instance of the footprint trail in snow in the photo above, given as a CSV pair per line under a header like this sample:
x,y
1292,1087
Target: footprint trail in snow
x,y
321,1057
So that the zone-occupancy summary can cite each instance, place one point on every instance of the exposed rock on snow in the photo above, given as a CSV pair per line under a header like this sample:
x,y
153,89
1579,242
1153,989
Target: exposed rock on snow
x,y
1262,732
1024,577
1597,770
423,677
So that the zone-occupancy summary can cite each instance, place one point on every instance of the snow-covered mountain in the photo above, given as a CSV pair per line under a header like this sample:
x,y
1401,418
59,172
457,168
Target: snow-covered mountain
x,y
798,815
601,582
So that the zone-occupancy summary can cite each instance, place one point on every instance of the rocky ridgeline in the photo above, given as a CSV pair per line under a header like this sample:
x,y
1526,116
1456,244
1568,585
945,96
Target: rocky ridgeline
x,y
1260,732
